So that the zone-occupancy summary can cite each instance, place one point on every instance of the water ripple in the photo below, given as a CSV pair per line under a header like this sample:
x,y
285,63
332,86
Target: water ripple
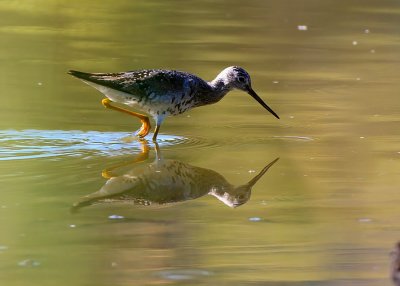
x,y
31,144
237,140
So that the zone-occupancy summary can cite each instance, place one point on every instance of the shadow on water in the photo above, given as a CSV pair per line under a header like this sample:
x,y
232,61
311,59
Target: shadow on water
x,y
165,182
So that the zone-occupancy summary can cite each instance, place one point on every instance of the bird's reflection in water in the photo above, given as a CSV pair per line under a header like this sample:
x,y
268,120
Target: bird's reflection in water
x,y
167,181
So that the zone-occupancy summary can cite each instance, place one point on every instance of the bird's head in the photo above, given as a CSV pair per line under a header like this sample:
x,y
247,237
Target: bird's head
x,y
237,77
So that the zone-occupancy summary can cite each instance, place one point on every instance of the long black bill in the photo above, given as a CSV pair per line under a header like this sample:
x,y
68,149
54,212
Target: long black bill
x,y
256,178
260,101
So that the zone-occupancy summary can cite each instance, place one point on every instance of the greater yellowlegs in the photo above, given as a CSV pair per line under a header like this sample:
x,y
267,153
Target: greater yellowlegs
x,y
163,93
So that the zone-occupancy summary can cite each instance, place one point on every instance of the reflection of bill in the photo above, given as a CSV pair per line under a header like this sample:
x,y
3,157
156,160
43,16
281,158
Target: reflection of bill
x,y
168,181
396,265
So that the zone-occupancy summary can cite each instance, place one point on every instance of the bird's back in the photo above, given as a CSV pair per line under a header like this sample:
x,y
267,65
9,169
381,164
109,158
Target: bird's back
x,y
140,82
165,91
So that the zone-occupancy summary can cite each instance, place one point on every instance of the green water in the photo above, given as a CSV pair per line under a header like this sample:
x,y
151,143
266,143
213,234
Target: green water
x,y
326,213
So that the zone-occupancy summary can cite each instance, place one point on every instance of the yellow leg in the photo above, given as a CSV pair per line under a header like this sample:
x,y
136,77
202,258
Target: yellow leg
x,y
144,129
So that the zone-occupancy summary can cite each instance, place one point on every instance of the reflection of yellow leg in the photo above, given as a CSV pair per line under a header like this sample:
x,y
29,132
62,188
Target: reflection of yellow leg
x,y
144,130
108,173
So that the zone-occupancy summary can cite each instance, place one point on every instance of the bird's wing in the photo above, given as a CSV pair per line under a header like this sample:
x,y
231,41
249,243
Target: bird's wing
x,y
139,83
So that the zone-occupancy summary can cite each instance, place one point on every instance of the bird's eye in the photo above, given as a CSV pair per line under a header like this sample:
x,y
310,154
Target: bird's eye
x,y
241,79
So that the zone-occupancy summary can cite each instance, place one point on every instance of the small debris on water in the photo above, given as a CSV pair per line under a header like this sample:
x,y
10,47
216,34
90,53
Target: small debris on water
x,y
114,264
372,51
358,78
116,217
355,43
362,137
291,116
302,28
364,220
366,31
72,225
184,274
252,171
3,248
39,84
275,81
255,219
28,263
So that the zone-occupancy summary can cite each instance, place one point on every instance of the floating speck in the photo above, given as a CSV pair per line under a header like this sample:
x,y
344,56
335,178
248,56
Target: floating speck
x,y
358,78
28,263
372,51
364,220
116,217
114,264
291,116
355,43
188,116
3,248
184,274
264,203
252,171
362,137
275,81
366,31
72,225
158,171
302,28
39,83
255,219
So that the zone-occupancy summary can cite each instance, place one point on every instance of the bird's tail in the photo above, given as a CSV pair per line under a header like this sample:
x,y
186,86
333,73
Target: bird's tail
x,y
81,75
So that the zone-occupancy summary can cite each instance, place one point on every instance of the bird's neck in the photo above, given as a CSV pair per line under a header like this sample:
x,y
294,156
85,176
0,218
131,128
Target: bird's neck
x,y
220,87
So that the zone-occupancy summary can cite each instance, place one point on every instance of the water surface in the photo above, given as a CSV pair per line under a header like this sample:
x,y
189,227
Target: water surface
x,y
326,213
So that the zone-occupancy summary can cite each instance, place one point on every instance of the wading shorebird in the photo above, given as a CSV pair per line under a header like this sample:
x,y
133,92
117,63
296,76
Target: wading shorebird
x,y
166,182
163,93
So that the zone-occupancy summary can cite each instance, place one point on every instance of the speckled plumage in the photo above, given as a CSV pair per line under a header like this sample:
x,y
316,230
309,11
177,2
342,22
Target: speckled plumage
x,y
157,92
163,93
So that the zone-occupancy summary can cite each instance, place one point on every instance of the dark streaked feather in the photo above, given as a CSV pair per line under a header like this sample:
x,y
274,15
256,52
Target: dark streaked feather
x,y
139,83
